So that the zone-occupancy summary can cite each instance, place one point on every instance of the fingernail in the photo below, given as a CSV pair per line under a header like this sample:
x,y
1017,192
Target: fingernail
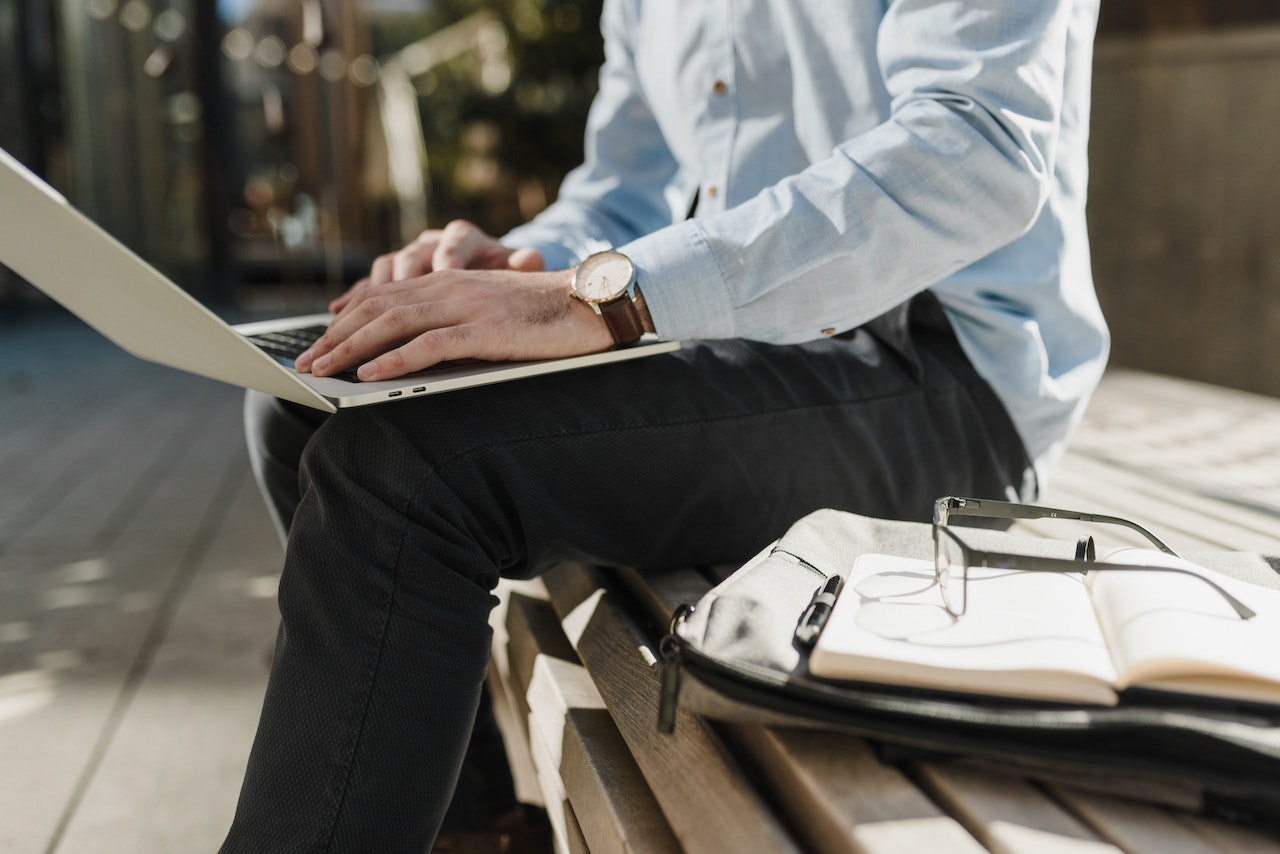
x,y
320,365
304,358
368,372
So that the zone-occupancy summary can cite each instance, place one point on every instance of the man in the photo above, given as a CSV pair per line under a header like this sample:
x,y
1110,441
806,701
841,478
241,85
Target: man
x,y
887,275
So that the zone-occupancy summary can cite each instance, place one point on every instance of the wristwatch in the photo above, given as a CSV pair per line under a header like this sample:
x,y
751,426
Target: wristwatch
x,y
606,281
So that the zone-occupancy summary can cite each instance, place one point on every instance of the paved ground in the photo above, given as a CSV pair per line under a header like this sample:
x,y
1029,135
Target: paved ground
x,y
137,576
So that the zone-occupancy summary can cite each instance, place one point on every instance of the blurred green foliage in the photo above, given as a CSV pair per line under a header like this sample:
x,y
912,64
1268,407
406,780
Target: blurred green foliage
x,y
503,126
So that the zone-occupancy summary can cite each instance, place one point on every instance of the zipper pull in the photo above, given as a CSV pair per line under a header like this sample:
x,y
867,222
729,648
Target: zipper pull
x,y
672,662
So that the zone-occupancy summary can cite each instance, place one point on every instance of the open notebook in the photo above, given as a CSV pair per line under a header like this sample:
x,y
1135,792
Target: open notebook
x,y
1051,636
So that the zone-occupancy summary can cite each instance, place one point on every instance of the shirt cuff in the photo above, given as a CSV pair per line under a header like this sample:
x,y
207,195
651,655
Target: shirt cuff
x,y
683,286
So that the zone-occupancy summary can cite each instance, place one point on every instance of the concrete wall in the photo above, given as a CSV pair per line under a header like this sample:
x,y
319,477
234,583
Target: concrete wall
x,y
1185,203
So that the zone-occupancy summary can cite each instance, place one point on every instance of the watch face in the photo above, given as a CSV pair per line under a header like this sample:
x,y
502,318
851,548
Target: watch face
x,y
603,276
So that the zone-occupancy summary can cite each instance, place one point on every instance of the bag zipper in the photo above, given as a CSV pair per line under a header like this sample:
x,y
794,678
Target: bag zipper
x,y
672,651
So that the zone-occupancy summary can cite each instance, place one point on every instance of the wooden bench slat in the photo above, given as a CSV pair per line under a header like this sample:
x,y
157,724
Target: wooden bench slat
x,y
659,594
532,631
1180,797
575,841
1235,838
619,814
703,792
548,706
553,793
598,775
1192,437
515,738
506,590
1147,405
1141,828
842,799
557,688
510,711
1008,814
1172,514
527,631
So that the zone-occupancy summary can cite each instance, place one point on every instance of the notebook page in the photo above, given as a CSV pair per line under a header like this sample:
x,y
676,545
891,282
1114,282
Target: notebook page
x,y
1173,632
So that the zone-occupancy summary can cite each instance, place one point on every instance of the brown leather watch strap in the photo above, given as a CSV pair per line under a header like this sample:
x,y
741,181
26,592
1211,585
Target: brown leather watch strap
x,y
623,320
642,309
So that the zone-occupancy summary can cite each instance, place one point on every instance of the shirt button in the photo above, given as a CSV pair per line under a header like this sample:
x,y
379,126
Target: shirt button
x,y
719,87
712,191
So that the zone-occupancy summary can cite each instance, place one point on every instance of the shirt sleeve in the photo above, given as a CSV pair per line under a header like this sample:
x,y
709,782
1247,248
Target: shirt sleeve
x,y
628,185
961,167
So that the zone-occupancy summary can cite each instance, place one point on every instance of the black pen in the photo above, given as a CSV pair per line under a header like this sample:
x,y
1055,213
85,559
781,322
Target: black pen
x,y
815,616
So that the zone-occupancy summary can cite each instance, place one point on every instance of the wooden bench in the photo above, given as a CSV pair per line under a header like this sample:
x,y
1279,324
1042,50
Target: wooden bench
x,y
575,680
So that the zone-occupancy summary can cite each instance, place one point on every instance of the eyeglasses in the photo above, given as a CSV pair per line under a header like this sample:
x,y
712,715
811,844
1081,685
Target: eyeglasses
x,y
952,557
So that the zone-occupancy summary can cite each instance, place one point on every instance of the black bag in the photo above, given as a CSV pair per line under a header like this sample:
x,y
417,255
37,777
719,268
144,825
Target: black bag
x,y
732,656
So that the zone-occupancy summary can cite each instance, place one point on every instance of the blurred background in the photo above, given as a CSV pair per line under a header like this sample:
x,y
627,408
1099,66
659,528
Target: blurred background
x,y
259,150
263,152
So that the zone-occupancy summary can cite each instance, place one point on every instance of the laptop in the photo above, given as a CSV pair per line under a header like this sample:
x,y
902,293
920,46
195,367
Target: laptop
x,y
76,263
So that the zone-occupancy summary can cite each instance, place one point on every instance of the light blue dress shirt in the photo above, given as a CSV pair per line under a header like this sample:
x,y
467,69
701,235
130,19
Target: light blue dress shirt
x,y
845,155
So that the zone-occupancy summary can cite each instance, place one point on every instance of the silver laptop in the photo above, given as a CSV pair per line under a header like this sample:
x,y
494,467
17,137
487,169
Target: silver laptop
x,y
67,256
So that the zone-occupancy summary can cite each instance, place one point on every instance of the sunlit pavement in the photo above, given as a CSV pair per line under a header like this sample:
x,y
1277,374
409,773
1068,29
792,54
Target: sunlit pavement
x,y
137,580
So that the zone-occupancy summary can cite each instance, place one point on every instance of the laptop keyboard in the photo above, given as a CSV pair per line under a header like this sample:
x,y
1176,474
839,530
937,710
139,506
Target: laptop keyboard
x,y
288,344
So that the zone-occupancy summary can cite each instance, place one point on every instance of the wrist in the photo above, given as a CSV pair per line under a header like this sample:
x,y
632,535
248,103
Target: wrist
x,y
596,331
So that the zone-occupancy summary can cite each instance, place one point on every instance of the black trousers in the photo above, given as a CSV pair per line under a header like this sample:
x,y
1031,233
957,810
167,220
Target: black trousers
x,y
407,514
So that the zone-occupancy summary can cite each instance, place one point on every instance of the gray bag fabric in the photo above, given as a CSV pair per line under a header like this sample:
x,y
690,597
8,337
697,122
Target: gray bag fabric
x,y
731,656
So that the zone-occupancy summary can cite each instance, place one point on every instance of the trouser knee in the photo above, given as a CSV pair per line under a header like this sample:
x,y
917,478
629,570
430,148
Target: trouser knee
x,y
277,433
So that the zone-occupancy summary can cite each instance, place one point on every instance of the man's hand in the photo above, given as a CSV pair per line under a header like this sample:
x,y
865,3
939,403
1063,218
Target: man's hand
x,y
459,245
492,304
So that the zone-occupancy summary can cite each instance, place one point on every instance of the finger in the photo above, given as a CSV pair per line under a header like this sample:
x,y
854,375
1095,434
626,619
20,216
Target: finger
x,y
421,352
462,244
526,260
381,270
415,259
341,302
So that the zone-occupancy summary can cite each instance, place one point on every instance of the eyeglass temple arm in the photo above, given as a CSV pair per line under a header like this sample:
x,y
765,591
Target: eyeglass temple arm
x,y
1039,564
1007,510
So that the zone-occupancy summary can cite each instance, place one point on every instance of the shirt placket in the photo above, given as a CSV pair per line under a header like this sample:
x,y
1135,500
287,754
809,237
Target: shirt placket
x,y
721,111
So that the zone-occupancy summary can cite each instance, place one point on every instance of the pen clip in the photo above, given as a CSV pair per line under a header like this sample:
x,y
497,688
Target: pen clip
x,y
815,616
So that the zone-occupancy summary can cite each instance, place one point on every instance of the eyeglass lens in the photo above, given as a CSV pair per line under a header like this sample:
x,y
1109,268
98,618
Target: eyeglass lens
x,y
950,563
